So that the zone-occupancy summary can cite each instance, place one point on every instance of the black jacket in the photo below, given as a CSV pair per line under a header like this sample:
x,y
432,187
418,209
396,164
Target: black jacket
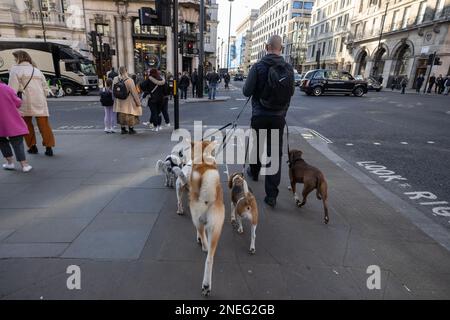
x,y
184,82
254,85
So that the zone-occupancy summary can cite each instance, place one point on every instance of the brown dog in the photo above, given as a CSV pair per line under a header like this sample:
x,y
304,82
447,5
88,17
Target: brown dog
x,y
311,177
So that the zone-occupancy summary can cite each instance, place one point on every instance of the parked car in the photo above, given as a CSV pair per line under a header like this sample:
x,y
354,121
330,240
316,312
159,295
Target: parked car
x,y
319,81
239,77
298,79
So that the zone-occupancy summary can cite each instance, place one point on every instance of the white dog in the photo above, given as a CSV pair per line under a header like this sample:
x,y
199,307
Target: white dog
x,y
167,166
182,184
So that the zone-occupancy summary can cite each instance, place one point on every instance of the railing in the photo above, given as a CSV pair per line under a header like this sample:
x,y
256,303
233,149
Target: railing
x,y
49,17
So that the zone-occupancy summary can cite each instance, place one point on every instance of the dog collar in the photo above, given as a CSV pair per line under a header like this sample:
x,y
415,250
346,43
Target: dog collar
x,y
241,198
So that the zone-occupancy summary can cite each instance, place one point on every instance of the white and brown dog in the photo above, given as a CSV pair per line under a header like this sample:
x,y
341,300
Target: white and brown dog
x,y
243,205
167,166
206,204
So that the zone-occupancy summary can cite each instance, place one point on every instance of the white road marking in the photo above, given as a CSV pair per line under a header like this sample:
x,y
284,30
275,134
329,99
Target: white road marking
x,y
404,142
241,99
407,288
320,136
349,144
234,108
430,142
377,143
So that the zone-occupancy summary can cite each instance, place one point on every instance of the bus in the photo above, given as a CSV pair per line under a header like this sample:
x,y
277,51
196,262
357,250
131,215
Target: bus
x,y
57,61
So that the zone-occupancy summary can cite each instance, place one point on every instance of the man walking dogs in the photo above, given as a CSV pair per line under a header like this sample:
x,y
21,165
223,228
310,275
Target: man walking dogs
x,y
270,83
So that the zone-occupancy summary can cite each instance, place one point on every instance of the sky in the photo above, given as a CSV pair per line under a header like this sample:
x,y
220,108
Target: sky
x,y
240,9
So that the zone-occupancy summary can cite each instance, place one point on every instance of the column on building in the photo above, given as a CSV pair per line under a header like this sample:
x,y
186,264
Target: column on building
x,y
169,50
119,41
129,50
387,70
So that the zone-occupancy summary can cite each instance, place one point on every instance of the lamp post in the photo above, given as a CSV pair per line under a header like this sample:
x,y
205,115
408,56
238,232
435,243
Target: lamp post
x,y
375,67
229,30
201,55
42,20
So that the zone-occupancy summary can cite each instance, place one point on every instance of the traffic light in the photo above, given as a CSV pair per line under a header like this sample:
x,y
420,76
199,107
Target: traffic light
x,y
148,17
437,61
92,41
106,50
190,47
430,59
181,42
163,12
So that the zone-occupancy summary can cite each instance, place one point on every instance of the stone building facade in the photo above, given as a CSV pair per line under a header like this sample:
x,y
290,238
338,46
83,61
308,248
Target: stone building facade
x,y
412,30
327,38
136,47
244,42
273,18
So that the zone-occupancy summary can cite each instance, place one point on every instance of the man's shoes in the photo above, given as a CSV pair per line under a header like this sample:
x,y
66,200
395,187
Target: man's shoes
x,y
270,201
250,174
33,150
49,152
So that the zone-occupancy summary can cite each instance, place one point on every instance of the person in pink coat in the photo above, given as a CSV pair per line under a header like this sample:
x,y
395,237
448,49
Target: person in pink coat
x,y
12,129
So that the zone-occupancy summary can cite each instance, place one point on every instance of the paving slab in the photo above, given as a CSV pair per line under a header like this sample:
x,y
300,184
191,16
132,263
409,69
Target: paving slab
x,y
137,200
31,250
113,237
49,230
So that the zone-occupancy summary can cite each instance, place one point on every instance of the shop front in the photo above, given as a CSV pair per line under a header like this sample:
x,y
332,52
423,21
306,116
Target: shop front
x,y
150,48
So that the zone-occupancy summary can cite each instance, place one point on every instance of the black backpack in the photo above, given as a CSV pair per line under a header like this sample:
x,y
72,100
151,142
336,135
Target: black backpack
x,y
106,98
279,87
120,89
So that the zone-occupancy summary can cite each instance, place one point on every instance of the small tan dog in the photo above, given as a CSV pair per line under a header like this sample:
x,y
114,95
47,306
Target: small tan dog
x,y
243,205
311,177
206,204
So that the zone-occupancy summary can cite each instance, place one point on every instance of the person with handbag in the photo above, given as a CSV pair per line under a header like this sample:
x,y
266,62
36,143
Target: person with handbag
x,y
126,102
31,86
153,89
12,129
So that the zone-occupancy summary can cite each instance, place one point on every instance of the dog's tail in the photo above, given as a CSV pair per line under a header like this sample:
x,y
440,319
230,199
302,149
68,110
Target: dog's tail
x,y
322,194
180,174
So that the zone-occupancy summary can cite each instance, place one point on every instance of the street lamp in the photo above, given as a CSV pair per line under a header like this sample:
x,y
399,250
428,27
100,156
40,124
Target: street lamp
x,y
229,30
375,67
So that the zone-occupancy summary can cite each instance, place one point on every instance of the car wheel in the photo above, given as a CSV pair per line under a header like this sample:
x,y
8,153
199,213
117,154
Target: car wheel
x,y
317,91
69,90
358,92
378,90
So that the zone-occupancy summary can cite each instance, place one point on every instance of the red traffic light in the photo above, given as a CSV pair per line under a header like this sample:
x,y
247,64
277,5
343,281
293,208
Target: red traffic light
x,y
190,45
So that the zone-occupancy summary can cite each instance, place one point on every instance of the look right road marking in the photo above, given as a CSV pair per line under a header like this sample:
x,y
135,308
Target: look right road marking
x,y
441,208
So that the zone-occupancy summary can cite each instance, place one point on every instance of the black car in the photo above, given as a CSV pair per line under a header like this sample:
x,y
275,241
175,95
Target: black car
x,y
297,79
316,82
239,77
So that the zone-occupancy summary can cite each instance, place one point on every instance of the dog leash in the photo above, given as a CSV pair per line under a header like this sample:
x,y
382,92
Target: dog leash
x,y
287,143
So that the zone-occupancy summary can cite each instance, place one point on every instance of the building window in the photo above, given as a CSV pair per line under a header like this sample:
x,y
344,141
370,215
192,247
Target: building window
x,y
405,17
422,8
297,5
394,19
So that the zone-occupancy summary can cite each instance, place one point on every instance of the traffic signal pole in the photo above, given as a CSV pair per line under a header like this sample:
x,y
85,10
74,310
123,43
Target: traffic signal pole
x,y
176,101
429,72
201,55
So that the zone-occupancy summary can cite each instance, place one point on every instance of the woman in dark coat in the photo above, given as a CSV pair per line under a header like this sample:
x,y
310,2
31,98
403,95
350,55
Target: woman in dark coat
x,y
154,88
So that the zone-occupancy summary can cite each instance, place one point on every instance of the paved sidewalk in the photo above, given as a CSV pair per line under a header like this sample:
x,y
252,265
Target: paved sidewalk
x,y
99,204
